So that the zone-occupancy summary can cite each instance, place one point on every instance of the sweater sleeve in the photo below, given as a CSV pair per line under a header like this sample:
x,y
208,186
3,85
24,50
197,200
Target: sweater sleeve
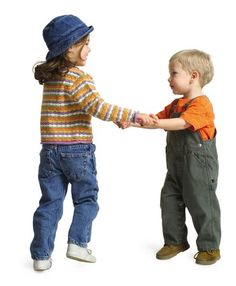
x,y
84,92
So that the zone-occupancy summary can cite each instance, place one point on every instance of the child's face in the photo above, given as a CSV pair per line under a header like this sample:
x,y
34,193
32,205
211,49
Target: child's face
x,y
180,80
78,53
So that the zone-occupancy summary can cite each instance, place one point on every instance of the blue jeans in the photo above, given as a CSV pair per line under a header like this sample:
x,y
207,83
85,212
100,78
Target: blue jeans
x,y
59,166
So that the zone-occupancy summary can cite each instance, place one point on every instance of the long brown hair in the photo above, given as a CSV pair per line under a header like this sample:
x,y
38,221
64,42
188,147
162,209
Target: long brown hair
x,y
52,69
55,68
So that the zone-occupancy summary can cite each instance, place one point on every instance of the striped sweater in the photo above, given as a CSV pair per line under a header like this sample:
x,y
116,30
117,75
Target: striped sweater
x,y
68,106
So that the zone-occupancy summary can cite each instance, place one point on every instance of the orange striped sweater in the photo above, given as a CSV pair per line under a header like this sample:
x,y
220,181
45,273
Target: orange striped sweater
x,y
68,106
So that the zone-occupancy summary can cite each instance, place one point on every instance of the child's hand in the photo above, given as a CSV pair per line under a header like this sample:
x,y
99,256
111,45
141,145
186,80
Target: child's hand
x,y
123,125
144,119
155,119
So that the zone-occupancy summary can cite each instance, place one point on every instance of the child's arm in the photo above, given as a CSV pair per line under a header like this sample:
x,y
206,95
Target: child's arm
x,y
171,124
84,92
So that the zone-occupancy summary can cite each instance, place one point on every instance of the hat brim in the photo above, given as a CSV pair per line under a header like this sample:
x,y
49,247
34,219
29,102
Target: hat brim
x,y
62,47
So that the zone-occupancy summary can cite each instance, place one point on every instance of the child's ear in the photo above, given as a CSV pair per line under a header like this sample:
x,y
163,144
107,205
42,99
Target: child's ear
x,y
194,75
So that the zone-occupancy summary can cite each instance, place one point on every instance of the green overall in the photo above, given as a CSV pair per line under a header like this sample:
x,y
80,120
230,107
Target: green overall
x,y
191,181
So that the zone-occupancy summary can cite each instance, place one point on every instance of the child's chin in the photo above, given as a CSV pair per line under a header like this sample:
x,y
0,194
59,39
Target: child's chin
x,y
176,92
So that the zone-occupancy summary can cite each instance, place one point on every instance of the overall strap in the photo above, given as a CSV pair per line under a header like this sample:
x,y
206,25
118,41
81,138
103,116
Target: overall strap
x,y
173,113
173,107
187,104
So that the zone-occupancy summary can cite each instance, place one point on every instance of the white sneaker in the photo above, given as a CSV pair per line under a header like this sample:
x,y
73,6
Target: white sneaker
x,y
80,253
41,265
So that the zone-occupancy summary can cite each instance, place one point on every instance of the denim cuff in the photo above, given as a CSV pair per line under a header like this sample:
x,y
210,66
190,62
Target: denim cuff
x,y
81,244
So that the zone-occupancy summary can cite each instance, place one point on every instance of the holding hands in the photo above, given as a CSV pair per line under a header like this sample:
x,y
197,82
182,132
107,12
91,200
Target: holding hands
x,y
141,120
145,119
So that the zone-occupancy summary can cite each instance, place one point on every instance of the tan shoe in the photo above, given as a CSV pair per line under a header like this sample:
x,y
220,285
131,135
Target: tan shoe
x,y
169,251
207,257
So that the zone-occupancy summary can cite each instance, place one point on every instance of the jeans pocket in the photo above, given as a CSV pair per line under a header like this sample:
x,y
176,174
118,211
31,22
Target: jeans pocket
x,y
74,165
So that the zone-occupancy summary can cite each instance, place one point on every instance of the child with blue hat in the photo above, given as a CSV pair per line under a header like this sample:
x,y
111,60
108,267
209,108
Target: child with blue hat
x,y
62,32
70,100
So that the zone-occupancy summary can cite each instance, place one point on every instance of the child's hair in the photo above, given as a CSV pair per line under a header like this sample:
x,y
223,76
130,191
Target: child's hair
x,y
195,60
54,68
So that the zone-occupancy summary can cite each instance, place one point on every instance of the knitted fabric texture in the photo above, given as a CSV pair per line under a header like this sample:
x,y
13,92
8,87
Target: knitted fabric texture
x,y
68,106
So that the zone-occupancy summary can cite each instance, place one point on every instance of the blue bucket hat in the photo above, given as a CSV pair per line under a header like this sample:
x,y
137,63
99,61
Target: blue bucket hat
x,y
62,32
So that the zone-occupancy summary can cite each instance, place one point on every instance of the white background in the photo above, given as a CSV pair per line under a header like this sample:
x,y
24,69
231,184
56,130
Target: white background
x,y
131,45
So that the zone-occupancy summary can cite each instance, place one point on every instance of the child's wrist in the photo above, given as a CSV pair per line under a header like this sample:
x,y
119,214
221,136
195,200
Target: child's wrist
x,y
134,119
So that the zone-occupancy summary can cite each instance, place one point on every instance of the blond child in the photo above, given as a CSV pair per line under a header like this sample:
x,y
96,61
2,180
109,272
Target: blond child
x,y
192,162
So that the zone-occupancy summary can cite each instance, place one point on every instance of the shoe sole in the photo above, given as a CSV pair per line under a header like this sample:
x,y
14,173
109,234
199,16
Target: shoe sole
x,y
171,255
40,270
78,259
207,262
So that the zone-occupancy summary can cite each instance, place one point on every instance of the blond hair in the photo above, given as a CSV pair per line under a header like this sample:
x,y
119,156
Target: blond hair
x,y
195,60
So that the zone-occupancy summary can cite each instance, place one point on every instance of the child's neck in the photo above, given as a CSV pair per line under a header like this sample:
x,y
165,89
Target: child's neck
x,y
195,92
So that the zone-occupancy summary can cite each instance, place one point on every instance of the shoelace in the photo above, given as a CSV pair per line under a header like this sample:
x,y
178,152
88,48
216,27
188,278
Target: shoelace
x,y
89,251
196,254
